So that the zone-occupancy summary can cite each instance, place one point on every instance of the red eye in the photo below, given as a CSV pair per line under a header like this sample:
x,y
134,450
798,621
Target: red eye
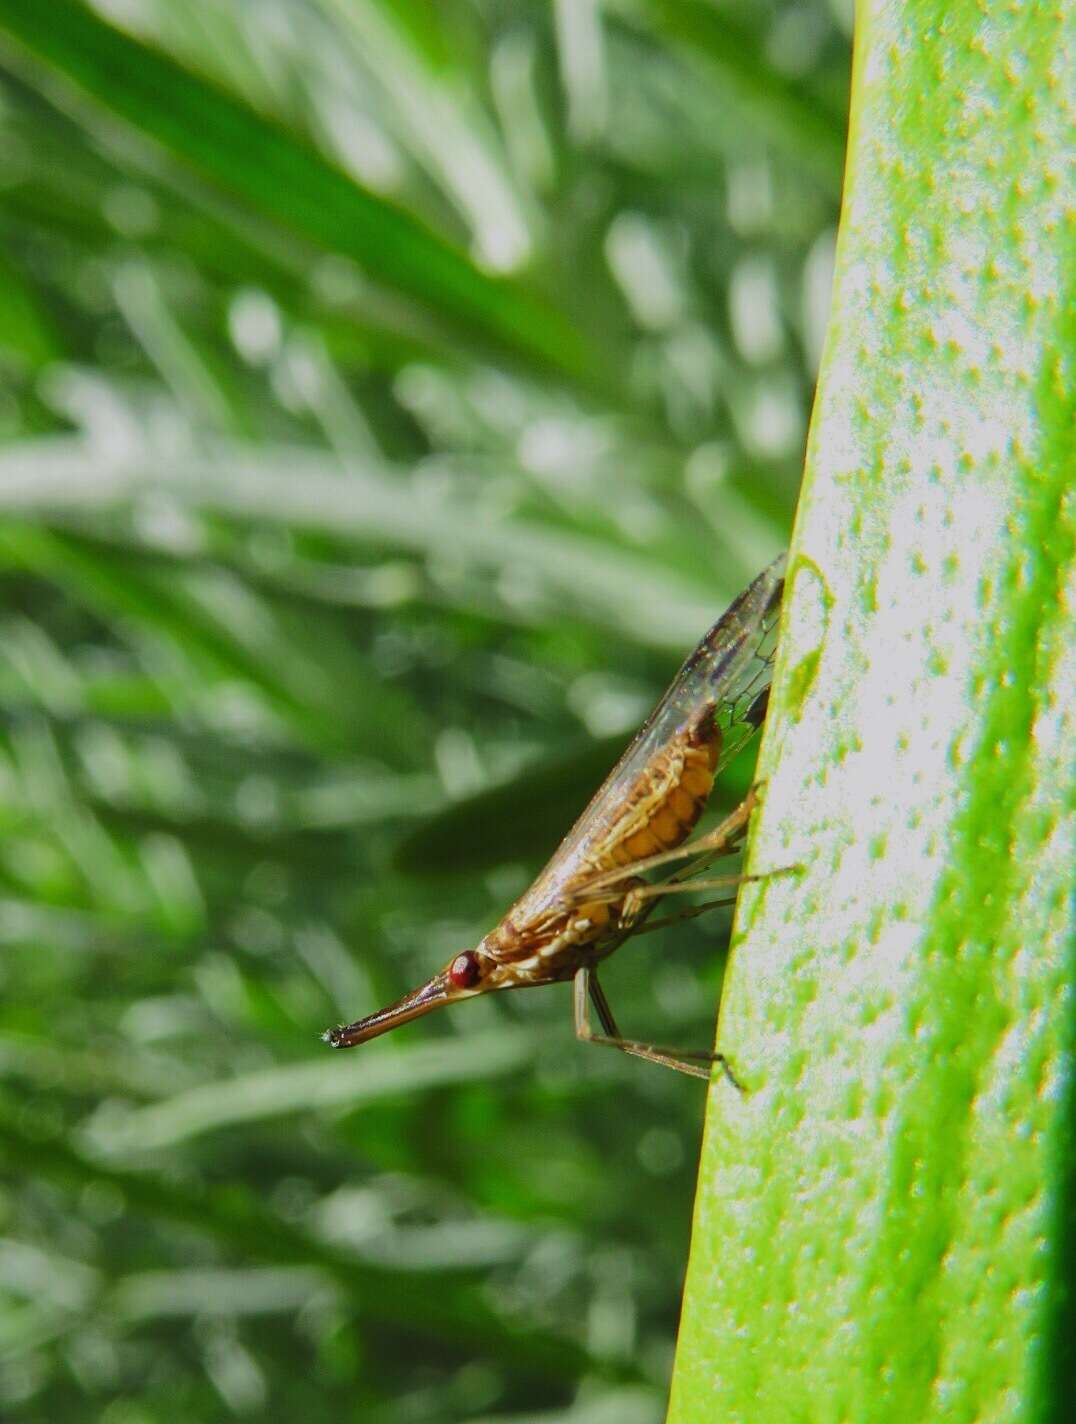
x,y
463,971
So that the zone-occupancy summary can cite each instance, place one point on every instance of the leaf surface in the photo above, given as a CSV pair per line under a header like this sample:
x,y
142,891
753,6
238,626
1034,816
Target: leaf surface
x,y
881,1227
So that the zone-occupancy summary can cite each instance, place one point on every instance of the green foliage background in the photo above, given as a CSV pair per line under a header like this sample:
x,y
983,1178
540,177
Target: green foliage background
x,y
392,393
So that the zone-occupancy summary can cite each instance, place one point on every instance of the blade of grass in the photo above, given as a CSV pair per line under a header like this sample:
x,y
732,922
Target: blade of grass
x,y
418,56
219,626
797,123
277,176
27,338
306,492
882,1229
332,1081
234,1217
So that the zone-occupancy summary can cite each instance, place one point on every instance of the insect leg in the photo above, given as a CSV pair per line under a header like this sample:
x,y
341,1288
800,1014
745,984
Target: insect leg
x,y
691,913
682,1060
722,838
613,886
661,888
639,894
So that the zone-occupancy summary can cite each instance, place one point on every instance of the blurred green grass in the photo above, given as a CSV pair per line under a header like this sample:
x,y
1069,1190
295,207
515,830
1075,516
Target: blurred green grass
x,y
392,394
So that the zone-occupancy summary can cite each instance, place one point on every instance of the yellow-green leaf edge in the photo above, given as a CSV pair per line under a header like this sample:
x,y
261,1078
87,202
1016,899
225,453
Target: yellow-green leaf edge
x,y
884,1221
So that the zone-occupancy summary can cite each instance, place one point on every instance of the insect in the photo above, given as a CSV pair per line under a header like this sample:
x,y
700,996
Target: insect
x,y
592,895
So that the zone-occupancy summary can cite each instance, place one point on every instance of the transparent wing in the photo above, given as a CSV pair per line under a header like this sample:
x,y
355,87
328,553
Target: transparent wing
x,y
730,672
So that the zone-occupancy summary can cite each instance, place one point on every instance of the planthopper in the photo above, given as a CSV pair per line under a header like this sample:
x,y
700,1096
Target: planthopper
x,y
593,895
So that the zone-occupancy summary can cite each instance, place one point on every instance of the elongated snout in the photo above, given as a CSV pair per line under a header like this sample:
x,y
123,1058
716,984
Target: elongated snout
x,y
438,991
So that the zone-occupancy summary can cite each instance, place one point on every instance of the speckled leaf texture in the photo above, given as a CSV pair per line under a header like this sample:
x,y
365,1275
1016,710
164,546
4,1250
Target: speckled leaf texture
x,y
884,1223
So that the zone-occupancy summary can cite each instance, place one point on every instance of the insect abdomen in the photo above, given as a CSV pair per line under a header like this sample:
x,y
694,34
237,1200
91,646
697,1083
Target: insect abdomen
x,y
670,797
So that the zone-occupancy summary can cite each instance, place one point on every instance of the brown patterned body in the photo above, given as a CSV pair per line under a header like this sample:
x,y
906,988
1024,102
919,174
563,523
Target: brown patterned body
x,y
547,932
591,897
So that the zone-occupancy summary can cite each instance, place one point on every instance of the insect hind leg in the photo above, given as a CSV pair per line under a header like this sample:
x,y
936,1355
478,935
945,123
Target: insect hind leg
x,y
681,1060
691,913
722,840
639,894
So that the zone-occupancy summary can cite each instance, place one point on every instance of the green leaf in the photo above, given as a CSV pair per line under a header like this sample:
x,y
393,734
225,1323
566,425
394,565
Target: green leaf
x,y
882,1217
312,1086
781,109
293,488
216,625
236,1217
26,335
276,176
